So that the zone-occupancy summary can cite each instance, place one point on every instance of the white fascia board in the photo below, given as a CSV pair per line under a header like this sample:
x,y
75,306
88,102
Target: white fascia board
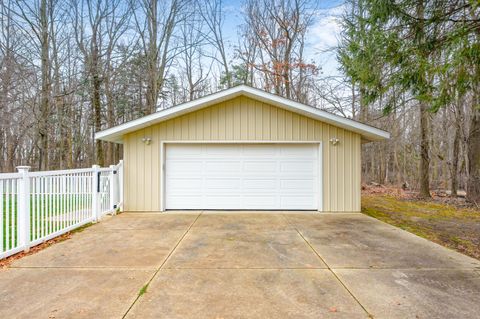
x,y
369,132
115,134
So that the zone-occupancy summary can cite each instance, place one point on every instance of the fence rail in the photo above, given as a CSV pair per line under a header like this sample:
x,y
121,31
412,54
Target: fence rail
x,y
38,206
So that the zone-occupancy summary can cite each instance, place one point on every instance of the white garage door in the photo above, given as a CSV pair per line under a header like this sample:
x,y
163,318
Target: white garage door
x,y
242,176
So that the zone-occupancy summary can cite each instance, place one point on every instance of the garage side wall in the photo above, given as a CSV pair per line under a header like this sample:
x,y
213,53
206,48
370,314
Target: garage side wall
x,y
243,119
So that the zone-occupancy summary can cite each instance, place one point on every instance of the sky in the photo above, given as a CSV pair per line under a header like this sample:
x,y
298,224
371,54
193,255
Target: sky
x,y
322,36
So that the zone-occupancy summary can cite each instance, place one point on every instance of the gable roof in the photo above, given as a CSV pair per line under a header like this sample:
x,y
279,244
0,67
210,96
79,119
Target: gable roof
x,y
115,134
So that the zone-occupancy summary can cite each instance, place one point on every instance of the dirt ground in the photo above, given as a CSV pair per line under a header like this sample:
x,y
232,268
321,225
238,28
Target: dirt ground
x,y
451,222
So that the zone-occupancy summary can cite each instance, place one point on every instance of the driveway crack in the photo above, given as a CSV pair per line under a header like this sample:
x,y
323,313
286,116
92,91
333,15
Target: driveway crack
x,y
328,267
144,288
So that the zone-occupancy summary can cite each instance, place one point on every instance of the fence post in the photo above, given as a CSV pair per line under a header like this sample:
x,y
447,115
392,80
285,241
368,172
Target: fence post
x,y
95,198
113,187
23,208
120,184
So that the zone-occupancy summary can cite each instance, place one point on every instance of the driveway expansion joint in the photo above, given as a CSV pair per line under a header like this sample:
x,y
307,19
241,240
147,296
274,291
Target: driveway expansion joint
x,y
330,269
163,263
245,268
85,267
228,261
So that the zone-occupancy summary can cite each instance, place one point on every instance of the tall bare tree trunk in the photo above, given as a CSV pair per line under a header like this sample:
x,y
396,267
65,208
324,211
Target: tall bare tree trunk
x,y
110,114
424,114
152,57
473,146
97,114
45,93
454,168
424,152
96,99
473,183
455,150
212,13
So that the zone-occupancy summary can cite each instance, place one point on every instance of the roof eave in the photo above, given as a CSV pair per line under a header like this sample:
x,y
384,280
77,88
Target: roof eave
x,y
115,134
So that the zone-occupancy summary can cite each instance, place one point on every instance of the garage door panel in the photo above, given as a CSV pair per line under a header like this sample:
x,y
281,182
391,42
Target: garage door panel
x,y
259,202
300,151
223,184
184,183
298,184
176,201
297,202
183,167
298,166
259,167
185,150
222,150
222,202
260,150
216,167
241,176
255,184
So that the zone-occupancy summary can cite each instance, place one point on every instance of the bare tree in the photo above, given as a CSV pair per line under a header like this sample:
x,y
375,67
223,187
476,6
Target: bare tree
x,y
194,65
214,17
279,28
98,25
37,16
156,24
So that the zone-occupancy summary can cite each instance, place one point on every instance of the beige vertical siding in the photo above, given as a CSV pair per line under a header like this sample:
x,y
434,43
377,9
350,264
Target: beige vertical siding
x,y
243,119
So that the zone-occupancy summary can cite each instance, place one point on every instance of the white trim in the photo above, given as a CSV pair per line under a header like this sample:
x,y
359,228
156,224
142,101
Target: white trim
x,y
163,145
115,134
238,142
162,175
320,176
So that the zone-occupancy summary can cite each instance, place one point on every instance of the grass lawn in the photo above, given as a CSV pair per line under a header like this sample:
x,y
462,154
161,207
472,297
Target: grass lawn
x,y
47,215
456,228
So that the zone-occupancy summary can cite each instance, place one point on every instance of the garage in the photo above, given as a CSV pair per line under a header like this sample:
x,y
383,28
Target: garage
x,y
237,176
242,149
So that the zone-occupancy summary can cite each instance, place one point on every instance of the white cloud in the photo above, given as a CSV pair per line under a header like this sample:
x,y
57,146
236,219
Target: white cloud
x,y
323,37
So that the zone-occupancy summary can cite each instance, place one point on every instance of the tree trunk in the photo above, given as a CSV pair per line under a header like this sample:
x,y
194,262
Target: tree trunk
x,y
424,152
45,93
99,158
363,106
96,99
473,183
152,58
110,113
455,155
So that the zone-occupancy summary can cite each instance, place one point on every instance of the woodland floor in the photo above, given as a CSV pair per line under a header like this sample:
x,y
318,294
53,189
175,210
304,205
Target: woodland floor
x,y
446,221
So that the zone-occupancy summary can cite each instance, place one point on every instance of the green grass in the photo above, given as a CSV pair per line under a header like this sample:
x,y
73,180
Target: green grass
x,y
51,207
456,228
143,290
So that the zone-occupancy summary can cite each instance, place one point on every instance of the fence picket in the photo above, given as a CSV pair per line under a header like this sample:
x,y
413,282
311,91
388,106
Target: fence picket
x,y
35,208
42,205
7,216
47,204
49,220
1,215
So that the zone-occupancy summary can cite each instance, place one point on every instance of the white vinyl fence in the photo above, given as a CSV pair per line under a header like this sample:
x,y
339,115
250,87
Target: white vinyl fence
x,y
38,206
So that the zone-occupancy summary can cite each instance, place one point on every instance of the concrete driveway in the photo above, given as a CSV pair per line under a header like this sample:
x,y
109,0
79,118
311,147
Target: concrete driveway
x,y
242,265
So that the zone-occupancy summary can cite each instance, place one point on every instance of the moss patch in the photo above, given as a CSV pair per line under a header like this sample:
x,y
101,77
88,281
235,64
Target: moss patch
x,y
143,290
444,224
